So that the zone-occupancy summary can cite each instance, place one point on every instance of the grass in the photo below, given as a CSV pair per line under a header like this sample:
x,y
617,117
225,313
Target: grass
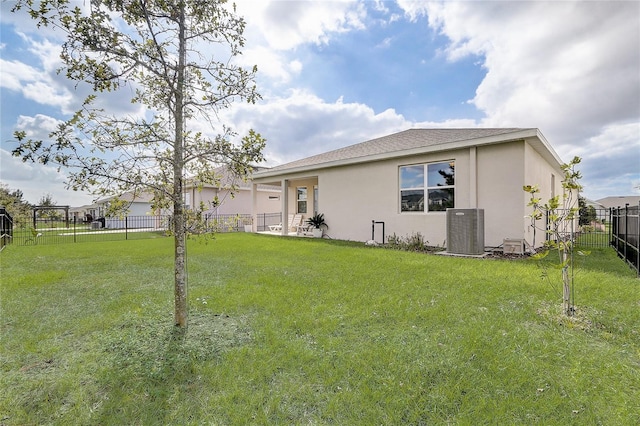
x,y
303,331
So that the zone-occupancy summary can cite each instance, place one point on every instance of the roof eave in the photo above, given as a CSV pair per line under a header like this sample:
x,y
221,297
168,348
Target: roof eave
x,y
530,134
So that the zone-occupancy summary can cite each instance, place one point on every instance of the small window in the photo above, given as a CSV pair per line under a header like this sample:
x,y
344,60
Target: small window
x,y
435,180
302,199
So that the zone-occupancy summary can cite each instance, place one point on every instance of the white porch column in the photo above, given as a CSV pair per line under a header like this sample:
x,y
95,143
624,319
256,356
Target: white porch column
x,y
285,206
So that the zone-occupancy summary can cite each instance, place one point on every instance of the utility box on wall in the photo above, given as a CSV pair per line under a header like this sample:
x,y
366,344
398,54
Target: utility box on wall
x,y
465,231
513,246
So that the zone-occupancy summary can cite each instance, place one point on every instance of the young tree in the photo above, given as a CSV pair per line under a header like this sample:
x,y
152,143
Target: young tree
x,y
588,214
156,50
50,214
13,202
560,213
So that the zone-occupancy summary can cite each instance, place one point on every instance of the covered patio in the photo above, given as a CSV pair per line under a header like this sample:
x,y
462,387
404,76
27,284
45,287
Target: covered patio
x,y
298,195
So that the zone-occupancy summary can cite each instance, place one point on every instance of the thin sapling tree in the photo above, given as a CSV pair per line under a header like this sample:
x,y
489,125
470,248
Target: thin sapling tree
x,y
560,215
176,59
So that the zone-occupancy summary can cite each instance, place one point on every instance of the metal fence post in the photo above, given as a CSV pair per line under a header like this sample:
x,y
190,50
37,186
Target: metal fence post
x,y
626,229
638,240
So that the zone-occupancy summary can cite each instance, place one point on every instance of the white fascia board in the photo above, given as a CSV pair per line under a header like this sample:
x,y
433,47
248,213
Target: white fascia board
x,y
544,148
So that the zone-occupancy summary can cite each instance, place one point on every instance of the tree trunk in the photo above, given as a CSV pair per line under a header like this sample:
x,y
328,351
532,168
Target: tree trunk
x,y
180,287
180,290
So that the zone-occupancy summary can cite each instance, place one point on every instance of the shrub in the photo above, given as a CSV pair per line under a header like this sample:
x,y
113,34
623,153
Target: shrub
x,y
413,242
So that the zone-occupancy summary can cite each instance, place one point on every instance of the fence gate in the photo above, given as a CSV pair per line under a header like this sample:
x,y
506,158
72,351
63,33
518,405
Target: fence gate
x,y
595,230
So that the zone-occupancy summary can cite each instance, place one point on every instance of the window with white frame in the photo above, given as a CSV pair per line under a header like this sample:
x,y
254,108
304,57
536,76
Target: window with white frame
x,y
427,187
302,199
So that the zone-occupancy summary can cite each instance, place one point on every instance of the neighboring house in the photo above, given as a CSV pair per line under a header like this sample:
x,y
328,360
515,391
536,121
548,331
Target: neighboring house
x,y
619,201
84,213
217,200
407,180
222,200
136,204
137,213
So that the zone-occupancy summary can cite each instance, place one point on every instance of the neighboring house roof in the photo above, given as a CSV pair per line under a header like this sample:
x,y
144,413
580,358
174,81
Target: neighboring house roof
x,y
228,179
142,197
412,142
593,204
81,208
620,201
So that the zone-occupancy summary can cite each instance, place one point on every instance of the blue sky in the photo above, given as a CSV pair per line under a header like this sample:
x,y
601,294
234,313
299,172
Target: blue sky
x,y
336,73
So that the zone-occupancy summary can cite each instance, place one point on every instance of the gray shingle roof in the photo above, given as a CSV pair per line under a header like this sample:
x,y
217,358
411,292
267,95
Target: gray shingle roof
x,y
395,144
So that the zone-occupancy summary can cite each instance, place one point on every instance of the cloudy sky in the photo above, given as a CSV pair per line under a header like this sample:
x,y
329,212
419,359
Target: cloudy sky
x,y
336,73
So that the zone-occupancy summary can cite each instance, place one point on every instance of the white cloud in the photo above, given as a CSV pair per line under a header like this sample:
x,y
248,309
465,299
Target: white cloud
x,y
284,25
34,83
576,63
271,64
36,181
571,69
14,73
38,80
384,44
301,124
599,147
37,127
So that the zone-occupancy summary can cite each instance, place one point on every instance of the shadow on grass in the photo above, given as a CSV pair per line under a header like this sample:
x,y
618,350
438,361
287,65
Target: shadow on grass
x,y
150,370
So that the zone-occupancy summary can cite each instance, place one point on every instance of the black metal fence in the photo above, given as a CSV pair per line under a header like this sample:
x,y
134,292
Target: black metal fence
x,y
264,220
47,231
625,230
595,231
619,228
6,228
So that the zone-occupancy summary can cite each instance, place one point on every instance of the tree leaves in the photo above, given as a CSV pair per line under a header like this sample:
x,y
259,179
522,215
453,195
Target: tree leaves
x,y
151,48
560,219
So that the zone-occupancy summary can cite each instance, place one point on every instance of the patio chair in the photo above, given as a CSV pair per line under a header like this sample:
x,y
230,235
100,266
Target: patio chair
x,y
295,223
295,220
278,227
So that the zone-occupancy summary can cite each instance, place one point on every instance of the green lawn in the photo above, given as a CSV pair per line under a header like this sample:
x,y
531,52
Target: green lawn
x,y
302,331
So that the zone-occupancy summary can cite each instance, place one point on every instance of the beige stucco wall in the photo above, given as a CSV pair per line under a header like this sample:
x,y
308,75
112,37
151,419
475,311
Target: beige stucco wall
x,y
351,198
500,176
267,201
489,177
548,178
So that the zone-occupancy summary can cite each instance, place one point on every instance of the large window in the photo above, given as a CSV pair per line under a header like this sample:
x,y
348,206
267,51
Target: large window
x,y
302,199
427,187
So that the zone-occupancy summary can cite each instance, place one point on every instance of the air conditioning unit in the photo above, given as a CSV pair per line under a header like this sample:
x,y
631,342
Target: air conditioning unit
x,y
465,231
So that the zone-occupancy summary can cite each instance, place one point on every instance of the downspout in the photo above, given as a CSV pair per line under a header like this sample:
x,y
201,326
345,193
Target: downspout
x,y
473,177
